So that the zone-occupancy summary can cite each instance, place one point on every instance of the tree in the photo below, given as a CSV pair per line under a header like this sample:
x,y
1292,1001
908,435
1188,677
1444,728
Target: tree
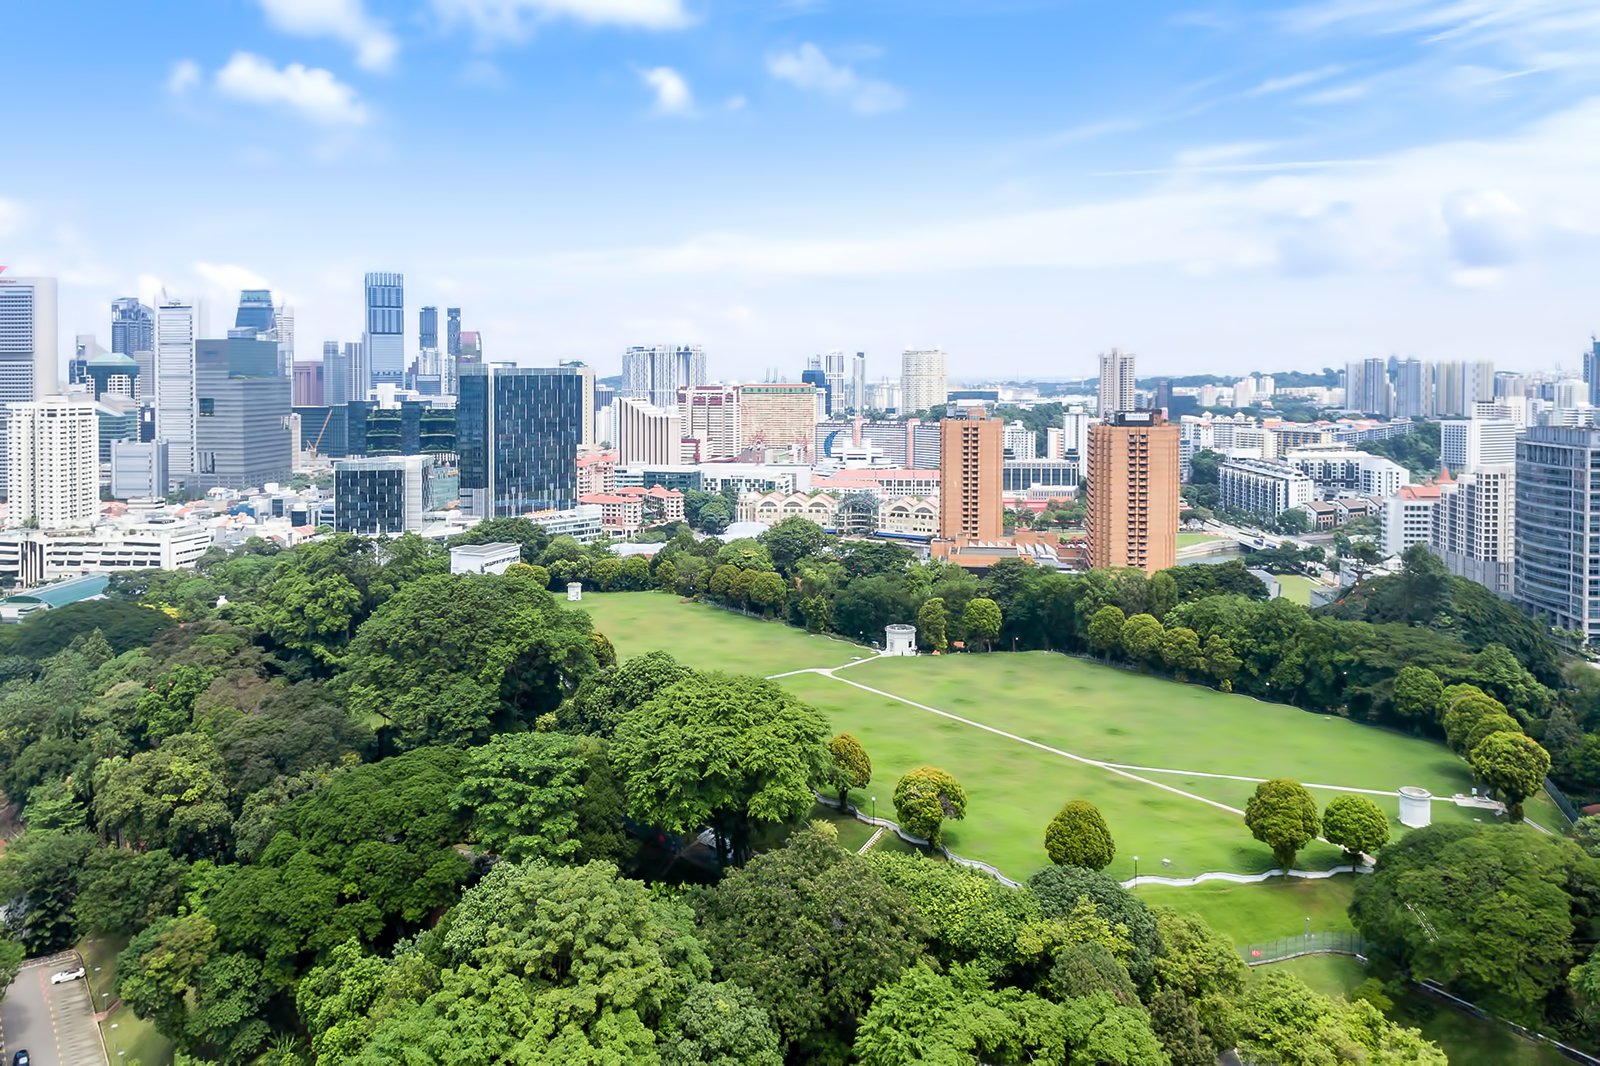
x,y
929,1017
11,955
1084,969
1356,824
1418,693
715,516
123,891
981,620
603,698
1105,629
931,624
791,541
1078,836
1141,638
1063,890
721,1024
457,657
1282,815
1180,650
1221,662
1283,1020
173,797
1513,765
521,791
972,918
733,751
767,591
812,930
852,768
1196,960
158,969
1490,911
924,798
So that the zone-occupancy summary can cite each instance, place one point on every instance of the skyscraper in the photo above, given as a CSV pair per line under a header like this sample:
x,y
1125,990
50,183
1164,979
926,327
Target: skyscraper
x,y
833,365
452,334
1557,574
647,434
283,327
970,466
922,380
1468,443
858,382
655,373
518,432
710,415
307,390
1117,391
1413,389
428,328
384,341
254,316
1133,492
242,436
1474,526
1377,398
133,334
52,456
29,366
175,383
1591,370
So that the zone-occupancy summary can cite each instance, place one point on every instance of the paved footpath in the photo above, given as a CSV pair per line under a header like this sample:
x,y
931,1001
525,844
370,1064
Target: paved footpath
x,y
54,1023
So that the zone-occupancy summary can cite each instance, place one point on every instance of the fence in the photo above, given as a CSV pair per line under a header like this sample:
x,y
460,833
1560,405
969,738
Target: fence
x,y
1559,798
1292,947
1434,989
920,842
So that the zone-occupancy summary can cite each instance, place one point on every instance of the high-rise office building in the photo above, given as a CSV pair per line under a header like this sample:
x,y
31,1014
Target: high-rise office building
x,y
1557,573
307,391
383,496
139,470
814,377
1132,474
647,434
53,461
452,334
922,380
384,340
133,334
255,315
1591,370
335,375
29,367
655,373
833,366
175,383
283,329
1117,392
858,383
428,328
518,430
970,463
1468,443
586,373
242,434
778,415
112,374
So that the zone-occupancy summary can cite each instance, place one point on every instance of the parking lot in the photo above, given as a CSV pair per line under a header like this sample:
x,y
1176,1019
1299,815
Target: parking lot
x,y
54,1023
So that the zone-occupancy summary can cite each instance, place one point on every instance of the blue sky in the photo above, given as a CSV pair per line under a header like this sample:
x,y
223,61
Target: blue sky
x,y
1218,186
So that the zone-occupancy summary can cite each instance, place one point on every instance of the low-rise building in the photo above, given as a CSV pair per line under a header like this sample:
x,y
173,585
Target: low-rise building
x,y
1263,487
582,523
1343,468
36,556
484,558
620,516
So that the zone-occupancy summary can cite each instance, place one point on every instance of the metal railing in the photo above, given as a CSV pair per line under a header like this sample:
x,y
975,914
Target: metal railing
x,y
1559,798
1433,988
1292,947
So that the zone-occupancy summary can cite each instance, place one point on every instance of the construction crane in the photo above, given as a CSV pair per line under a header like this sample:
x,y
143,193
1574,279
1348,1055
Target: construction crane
x,y
316,444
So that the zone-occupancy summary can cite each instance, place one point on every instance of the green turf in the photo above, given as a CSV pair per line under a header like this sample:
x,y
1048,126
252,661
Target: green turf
x,y
709,638
130,1039
1258,913
1332,975
1186,539
1296,588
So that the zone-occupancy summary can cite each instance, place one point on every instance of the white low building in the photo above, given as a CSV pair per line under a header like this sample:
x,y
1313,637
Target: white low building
x,y
1263,487
484,558
36,556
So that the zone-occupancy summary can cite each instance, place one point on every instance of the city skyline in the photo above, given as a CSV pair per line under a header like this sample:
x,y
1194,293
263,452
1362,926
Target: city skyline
x,y
1241,186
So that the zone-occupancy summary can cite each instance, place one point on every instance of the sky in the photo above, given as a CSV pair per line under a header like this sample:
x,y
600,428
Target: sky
x,y
1216,186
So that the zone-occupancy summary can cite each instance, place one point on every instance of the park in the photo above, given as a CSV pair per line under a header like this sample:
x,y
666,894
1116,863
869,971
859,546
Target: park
x,y
1170,765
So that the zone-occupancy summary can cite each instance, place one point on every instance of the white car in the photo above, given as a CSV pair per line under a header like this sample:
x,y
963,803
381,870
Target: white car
x,y
66,975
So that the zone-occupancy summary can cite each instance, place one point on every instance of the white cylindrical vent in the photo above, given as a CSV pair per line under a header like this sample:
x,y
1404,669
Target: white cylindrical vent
x,y
900,639
1416,807
575,591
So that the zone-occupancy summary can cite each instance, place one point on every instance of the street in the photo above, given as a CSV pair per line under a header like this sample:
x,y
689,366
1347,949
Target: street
x,y
54,1023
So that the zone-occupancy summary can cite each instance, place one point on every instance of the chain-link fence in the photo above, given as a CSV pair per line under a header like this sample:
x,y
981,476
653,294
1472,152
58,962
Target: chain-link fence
x,y
1290,947
1559,798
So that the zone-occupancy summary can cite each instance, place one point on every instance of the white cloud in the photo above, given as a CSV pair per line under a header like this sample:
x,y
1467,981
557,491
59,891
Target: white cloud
x,y
343,20
1295,81
11,217
672,91
230,276
312,92
500,20
1221,153
1486,228
185,75
807,68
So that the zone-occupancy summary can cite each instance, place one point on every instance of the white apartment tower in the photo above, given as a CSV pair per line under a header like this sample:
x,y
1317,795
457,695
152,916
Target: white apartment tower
x,y
710,415
922,380
1116,382
1474,526
858,382
53,463
1468,443
176,398
29,367
647,434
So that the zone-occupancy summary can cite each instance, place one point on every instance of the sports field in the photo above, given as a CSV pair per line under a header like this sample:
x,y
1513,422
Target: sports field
x,y
1169,765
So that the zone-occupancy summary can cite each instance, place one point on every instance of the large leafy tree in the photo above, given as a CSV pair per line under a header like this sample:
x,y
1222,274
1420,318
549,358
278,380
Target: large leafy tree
x,y
454,658
972,918
980,620
791,541
924,798
41,874
1417,693
1105,629
933,624
732,751
1078,836
1283,816
604,697
124,890
1356,824
1513,765
721,1024
1489,911
521,792
852,767
174,796
1283,1020
812,930
931,1017
1141,638
1063,892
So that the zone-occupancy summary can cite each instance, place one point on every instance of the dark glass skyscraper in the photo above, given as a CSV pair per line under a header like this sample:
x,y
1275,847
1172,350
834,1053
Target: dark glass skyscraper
x,y
428,328
255,312
133,327
384,343
518,429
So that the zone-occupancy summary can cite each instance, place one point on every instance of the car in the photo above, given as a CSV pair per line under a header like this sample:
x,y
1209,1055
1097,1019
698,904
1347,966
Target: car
x,y
66,975
20,1059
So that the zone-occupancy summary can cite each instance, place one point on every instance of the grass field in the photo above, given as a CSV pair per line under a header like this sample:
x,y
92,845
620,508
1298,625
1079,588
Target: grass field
x,y
1163,739
1252,914
128,1039
1296,588
1186,539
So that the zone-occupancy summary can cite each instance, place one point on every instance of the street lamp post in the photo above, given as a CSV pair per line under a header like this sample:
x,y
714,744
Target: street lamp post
x,y
1136,871
874,808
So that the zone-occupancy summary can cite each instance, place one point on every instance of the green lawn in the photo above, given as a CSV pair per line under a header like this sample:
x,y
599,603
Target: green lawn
x,y
1296,588
130,1040
710,638
1186,539
1257,913
1332,975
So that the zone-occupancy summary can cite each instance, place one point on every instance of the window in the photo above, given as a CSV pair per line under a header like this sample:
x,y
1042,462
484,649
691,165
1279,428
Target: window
x,y
208,406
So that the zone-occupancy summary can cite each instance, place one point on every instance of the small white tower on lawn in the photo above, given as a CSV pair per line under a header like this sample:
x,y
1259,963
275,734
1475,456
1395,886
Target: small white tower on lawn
x,y
1416,807
900,639
574,591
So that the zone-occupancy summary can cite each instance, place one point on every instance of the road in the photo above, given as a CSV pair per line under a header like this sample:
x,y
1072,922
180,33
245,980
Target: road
x,y
55,1023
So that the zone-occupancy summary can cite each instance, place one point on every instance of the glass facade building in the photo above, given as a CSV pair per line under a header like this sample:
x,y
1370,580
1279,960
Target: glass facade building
x,y
387,495
518,431
384,339
1558,526
428,328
